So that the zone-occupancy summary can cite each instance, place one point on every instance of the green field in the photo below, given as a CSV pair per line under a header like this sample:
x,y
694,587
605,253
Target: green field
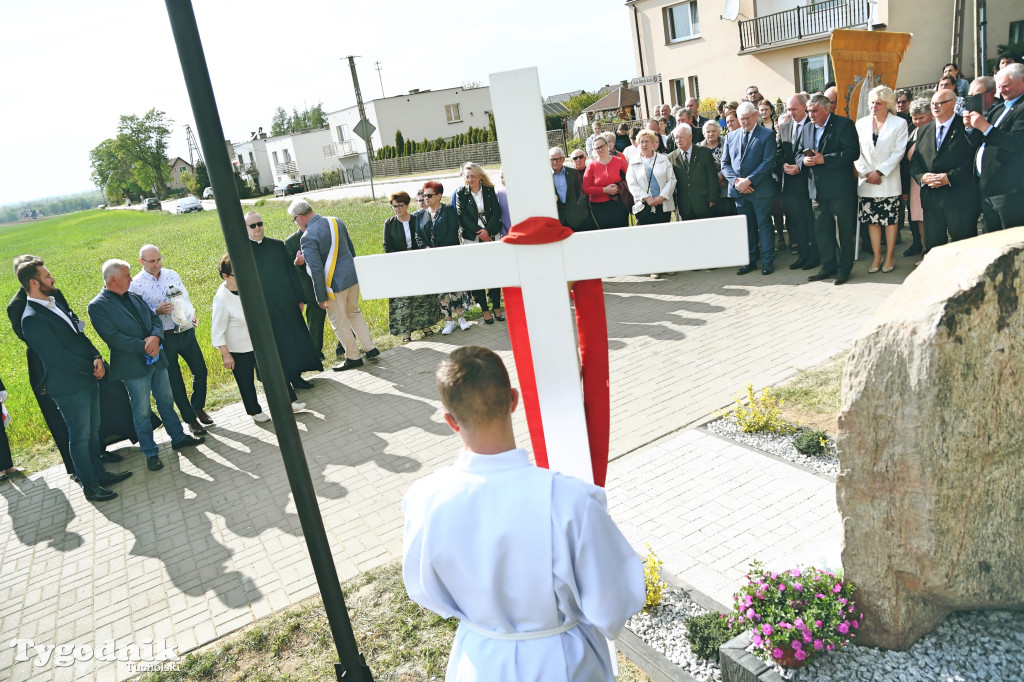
x,y
75,246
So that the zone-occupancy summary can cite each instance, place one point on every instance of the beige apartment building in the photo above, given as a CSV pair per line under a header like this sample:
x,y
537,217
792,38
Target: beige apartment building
x,y
716,48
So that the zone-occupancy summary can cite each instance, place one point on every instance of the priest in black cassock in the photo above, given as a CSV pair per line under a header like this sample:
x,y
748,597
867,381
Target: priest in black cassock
x,y
283,293
116,422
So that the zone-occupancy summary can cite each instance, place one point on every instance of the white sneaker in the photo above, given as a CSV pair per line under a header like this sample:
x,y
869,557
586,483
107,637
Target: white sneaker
x,y
449,327
261,417
298,407
463,325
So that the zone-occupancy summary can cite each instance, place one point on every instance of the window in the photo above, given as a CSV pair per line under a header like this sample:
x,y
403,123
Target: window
x,y
275,157
241,161
343,133
681,21
814,72
287,156
252,161
1016,32
182,169
451,112
678,90
694,88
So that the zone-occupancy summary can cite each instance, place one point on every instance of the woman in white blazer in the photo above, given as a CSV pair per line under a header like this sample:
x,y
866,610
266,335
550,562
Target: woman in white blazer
x,y
883,142
652,182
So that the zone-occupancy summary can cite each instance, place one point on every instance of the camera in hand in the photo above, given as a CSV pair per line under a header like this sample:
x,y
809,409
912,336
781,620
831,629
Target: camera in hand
x,y
974,103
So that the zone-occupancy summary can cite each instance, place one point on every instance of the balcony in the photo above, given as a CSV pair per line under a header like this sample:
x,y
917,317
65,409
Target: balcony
x,y
337,150
794,25
286,168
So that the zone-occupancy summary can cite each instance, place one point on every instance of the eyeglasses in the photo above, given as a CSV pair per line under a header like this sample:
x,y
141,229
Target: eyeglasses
x,y
155,260
398,205
558,158
578,158
259,224
427,196
941,102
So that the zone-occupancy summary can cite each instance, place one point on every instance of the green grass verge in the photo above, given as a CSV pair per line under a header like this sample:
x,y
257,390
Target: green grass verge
x,y
816,390
392,633
76,245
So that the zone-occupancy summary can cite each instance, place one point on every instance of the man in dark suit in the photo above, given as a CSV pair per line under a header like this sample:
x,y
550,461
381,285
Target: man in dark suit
x,y
315,315
695,132
696,176
747,164
72,367
795,200
999,139
832,146
134,334
941,166
697,121
573,204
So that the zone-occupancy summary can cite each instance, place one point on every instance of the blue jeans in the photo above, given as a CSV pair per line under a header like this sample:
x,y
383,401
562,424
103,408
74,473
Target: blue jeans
x,y
154,381
81,412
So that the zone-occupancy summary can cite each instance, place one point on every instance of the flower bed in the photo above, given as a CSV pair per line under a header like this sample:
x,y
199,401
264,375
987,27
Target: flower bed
x,y
780,445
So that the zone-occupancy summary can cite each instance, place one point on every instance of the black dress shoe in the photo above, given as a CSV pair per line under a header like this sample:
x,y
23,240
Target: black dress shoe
x,y
767,269
98,493
203,417
348,364
841,279
372,353
74,477
188,441
820,276
154,463
110,478
749,267
797,265
110,457
196,428
810,265
299,382
489,320
913,250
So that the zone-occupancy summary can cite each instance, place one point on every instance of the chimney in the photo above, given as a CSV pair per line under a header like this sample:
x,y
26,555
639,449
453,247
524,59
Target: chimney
x,y
623,84
414,91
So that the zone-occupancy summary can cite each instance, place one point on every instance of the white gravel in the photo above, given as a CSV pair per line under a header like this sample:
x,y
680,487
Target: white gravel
x,y
664,629
781,446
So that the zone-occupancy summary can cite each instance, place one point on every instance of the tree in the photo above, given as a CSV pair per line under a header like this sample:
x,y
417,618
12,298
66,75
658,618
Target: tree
x,y
112,170
316,117
145,141
191,183
202,175
399,142
577,104
280,124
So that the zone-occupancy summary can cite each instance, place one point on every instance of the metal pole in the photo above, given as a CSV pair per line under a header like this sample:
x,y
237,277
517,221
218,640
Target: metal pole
x,y
211,135
377,66
982,38
362,117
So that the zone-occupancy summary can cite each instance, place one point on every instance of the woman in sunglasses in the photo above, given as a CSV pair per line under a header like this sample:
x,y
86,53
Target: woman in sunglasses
x,y
438,225
407,313
601,183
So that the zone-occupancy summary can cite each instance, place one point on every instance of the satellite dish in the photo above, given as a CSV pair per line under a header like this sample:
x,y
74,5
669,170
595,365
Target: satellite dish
x,y
731,10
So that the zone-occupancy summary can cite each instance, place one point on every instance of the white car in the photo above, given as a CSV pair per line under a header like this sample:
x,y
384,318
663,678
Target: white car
x,y
208,193
189,204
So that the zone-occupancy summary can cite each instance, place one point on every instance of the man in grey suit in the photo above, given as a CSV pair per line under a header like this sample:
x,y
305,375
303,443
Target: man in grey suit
x,y
315,315
334,280
573,204
696,175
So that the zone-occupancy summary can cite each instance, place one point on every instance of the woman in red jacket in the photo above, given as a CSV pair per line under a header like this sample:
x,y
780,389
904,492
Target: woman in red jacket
x,y
599,183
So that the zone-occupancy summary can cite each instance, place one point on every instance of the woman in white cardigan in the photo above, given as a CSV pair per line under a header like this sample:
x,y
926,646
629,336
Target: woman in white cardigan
x,y
652,182
229,333
883,142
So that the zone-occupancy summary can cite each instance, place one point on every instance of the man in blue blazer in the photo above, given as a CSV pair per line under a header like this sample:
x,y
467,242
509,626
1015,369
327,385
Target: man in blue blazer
x,y
830,147
134,334
72,368
747,164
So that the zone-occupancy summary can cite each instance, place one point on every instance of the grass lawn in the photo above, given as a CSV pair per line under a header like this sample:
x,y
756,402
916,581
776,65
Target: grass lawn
x,y
813,396
399,639
76,245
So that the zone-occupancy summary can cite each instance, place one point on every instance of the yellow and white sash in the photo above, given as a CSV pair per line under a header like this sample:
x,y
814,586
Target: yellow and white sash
x,y
332,256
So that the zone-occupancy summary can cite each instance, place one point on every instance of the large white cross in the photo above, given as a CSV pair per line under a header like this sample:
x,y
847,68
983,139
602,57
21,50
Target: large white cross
x,y
542,271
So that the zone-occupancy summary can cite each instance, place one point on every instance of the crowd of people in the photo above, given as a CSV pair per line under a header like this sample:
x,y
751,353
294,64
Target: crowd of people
x,y
939,160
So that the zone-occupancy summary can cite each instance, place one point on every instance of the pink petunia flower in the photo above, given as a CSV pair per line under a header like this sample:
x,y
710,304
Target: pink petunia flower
x,y
854,624
818,645
785,626
750,614
782,587
838,588
799,622
775,576
798,587
807,636
748,600
756,639
819,595
830,647
776,653
767,629
799,655
843,628
796,644
817,623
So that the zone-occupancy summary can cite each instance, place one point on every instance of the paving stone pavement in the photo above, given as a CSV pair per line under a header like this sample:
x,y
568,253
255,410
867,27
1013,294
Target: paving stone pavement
x,y
212,542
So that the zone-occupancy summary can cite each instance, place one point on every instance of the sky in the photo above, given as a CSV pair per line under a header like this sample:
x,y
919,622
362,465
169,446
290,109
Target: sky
x,y
70,69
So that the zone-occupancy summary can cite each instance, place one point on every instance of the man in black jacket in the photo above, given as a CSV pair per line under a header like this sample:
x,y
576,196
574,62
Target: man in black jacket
x,y
999,139
573,204
73,368
829,148
795,200
696,175
941,166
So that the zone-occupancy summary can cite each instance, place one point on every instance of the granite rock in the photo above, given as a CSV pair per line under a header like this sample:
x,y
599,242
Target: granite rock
x,y
931,444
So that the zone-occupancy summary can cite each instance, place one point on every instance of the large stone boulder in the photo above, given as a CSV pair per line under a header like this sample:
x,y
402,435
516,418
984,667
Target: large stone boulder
x,y
931,444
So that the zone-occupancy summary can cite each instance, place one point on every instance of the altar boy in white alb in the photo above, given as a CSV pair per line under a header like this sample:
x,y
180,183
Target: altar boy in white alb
x,y
528,559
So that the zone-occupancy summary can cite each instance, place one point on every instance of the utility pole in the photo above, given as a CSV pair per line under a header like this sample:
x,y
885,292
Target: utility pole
x,y
364,128
377,66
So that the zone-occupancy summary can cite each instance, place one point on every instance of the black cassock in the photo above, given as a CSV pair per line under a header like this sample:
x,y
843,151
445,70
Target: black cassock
x,y
283,294
116,421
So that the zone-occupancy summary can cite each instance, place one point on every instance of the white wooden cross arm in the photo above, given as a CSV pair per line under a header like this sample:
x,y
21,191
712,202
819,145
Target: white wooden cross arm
x,y
543,270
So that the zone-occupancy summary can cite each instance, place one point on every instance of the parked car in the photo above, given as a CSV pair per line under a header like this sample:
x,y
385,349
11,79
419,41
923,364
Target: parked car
x,y
208,193
152,204
189,204
286,187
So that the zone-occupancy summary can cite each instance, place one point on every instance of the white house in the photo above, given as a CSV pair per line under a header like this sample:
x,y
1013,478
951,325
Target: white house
x,y
426,114
296,154
252,161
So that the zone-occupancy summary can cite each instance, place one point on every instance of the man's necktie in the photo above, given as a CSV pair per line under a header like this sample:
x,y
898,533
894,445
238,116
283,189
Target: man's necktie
x,y
938,139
